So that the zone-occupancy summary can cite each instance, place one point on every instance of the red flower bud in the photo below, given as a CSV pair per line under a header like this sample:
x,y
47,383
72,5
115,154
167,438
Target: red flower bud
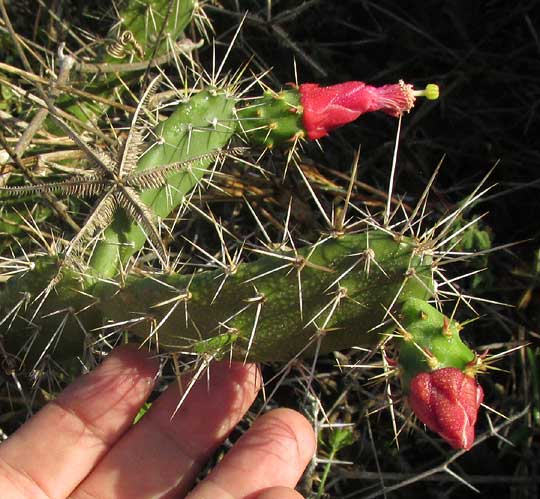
x,y
447,402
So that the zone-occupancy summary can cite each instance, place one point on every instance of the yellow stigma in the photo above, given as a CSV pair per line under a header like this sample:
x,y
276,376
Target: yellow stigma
x,y
431,92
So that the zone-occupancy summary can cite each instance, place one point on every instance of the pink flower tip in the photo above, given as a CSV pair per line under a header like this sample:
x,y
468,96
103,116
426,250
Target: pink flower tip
x,y
326,108
447,402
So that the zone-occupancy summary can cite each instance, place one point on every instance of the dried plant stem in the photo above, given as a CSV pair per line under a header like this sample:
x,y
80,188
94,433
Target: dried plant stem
x,y
67,88
39,117
63,114
444,467
56,205
185,46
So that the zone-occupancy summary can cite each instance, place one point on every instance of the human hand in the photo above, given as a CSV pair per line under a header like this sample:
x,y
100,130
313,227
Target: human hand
x,y
83,445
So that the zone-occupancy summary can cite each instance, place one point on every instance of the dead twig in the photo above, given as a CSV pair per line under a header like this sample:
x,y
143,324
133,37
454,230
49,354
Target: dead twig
x,y
56,205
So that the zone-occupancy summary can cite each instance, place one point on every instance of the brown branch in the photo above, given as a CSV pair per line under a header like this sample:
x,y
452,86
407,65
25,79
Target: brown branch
x,y
17,42
63,114
444,467
185,46
56,205
39,117
67,88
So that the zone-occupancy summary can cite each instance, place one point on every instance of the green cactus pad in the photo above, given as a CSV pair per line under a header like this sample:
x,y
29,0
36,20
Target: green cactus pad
x,y
198,126
260,302
348,283
44,321
145,19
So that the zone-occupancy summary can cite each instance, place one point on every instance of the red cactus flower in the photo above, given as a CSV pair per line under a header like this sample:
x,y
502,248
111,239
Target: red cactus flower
x,y
447,402
326,108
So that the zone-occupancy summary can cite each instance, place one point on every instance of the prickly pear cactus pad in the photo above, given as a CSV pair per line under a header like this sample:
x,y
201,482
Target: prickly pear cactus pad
x,y
326,297
329,296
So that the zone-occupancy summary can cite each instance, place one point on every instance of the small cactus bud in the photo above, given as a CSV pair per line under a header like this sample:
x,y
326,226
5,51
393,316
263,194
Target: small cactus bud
x,y
447,402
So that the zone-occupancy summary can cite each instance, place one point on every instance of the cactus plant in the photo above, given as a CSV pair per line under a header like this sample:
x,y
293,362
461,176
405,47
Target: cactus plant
x,y
347,289
286,304
268,210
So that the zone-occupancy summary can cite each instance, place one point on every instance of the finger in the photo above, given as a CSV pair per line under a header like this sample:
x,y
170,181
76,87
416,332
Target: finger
x,y
278,493
273,453
52,453
161,457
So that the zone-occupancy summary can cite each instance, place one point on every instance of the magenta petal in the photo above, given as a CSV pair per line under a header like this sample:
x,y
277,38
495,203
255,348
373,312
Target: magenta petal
x,y
326,108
